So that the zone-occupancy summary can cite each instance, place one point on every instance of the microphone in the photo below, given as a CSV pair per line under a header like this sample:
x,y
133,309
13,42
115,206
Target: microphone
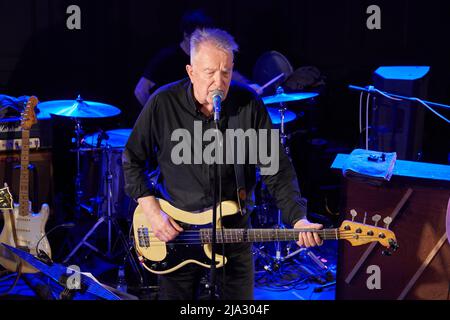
x,y
217,97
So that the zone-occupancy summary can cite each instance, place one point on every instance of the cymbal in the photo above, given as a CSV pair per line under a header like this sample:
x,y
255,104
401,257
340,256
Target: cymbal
x,y
286,97
276,117
76,109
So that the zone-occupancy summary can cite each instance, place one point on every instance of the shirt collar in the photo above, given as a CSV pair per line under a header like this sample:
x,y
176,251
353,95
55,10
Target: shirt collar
x,y
193,106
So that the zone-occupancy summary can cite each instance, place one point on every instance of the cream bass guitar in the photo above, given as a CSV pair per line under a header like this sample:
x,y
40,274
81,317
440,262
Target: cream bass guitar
x,y
193,245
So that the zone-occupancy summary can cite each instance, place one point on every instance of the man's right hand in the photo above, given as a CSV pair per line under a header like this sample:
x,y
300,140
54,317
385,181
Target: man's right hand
x,y
162,225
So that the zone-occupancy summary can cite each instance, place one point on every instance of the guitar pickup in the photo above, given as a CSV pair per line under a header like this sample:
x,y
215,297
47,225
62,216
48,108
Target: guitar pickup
x,y
143,237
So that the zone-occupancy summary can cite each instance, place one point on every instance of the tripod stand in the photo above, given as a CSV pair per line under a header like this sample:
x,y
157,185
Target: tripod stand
x,y
275,261
107,218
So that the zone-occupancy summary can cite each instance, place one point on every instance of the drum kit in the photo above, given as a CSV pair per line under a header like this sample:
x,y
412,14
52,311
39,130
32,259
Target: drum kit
x,y
110,144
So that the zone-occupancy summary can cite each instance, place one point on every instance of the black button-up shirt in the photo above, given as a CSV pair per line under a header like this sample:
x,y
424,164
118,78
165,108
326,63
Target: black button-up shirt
x,y
190,186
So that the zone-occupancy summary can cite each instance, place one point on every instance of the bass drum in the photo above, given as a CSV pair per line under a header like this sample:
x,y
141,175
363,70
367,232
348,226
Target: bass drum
x,y
107,148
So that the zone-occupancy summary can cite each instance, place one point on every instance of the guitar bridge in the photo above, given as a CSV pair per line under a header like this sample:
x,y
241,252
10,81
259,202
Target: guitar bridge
x,y
143,237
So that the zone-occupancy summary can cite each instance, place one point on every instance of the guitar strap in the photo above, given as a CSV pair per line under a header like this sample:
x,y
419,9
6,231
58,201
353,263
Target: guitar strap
x,y
239,171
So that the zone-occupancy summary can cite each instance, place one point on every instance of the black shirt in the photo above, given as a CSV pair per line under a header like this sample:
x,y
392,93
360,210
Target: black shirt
x,y
189,186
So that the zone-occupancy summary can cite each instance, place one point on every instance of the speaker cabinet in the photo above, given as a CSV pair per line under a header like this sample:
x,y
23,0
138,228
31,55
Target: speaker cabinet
x,y
420,268
41,176
398,125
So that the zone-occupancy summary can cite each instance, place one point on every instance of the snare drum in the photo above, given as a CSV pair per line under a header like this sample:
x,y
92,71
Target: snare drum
x,y
109,147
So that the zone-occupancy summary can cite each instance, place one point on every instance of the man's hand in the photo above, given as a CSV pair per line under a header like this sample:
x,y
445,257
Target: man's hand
x,y
162,225
308,239
259,90
142,90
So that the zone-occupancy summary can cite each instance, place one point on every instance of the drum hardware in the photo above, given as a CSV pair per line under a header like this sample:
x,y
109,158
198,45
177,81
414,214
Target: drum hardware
x,y
281,97
280,116
78,192
110,221
79,110
108,218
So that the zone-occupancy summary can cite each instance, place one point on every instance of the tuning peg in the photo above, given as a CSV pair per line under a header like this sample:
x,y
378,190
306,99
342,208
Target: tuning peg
x,y
353,213
393,245
376,218
387,221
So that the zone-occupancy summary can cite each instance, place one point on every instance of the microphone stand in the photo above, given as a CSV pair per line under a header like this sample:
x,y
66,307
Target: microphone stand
x,y
375,92
371,89
216,190
214,239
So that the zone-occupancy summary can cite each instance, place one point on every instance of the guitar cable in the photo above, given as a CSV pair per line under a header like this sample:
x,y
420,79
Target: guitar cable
x,y
41,254
19,264
16,280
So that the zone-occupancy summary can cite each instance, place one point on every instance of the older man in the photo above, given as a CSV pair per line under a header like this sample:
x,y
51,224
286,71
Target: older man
x,y
187,186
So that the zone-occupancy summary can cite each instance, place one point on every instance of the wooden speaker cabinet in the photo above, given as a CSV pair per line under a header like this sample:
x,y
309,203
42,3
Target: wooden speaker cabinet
x,y
417,198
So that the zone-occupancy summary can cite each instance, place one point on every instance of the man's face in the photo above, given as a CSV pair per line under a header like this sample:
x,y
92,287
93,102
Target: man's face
x,y
211,69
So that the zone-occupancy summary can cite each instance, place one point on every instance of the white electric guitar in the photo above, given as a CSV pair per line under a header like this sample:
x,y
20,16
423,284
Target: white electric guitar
x,y
22,228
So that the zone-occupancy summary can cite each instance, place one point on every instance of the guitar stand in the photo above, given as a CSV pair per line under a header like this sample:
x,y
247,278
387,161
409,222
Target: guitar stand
x,y
111,223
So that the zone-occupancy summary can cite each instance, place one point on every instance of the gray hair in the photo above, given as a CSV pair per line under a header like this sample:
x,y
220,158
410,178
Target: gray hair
x,y
219,38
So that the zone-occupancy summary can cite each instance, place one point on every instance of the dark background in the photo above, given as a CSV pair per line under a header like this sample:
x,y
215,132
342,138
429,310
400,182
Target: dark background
x,y
104,60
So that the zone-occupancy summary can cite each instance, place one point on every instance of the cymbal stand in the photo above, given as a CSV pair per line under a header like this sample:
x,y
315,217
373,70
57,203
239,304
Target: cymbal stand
x,y
111,222
78,190
283,137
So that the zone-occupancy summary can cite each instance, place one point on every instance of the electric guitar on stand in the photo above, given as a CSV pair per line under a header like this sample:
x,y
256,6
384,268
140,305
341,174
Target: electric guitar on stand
x,y
22,228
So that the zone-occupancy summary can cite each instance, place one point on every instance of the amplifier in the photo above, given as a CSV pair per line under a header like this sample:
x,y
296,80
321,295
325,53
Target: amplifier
x,y
11,134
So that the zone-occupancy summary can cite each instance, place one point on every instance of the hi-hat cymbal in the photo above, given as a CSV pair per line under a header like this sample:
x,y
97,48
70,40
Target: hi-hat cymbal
x,y
116,138
76,109
275,116
286,97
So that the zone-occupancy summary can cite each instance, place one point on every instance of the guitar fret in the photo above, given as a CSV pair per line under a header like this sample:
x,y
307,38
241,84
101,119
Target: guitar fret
x,y
258,235
24,174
